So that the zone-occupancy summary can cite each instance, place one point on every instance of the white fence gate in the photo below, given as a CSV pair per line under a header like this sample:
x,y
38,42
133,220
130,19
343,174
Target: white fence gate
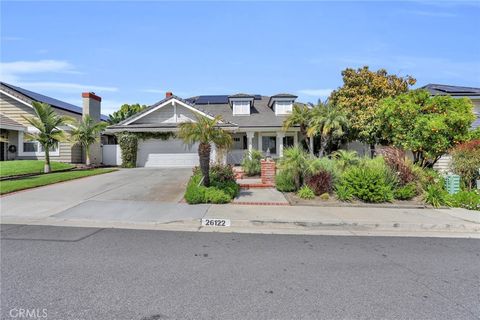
x,y
112,154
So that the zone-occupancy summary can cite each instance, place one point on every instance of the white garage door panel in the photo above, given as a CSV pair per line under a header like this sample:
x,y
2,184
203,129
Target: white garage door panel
x,y
170,153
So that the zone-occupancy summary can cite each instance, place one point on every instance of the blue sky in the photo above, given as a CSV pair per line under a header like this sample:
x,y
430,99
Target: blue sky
x,y
131,52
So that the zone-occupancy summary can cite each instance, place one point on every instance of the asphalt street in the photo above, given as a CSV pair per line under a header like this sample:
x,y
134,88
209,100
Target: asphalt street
x,y
87,273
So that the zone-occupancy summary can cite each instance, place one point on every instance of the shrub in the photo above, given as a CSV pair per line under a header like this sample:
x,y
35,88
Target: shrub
x,y
436,196
128,144
251,163
320,183
214,195
306,193
344,193
218,192
466,199
222,173
406,192
229,187
395,159
344,158
466,161
378,164
315,165
284,182
294,161
367,183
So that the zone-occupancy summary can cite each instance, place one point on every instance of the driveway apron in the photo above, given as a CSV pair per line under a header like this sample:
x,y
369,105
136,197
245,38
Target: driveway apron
x,y
140,194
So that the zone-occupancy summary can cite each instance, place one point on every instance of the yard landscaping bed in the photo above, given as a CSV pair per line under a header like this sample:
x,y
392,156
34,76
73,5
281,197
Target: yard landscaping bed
x,y
46,179
390,180
29,167
222,189
332,201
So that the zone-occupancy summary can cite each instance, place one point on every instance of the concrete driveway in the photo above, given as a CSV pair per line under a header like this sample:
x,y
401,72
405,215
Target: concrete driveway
x,y
143,194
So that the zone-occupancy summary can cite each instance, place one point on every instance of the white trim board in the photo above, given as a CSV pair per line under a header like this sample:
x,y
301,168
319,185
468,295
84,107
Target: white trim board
x,y
172,100
15,98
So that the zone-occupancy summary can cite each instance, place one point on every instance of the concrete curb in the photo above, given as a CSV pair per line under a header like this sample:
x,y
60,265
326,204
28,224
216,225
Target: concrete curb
x,y
466,230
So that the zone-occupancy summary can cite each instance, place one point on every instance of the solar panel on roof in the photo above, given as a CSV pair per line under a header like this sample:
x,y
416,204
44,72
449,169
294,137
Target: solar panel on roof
x,y
51,101
219,99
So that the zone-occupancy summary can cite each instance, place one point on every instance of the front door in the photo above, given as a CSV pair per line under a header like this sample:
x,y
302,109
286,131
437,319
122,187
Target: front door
x,y
3,147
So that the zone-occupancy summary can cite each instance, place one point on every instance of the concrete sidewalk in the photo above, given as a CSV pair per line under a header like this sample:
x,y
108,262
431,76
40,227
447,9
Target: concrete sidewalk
x,y
455,223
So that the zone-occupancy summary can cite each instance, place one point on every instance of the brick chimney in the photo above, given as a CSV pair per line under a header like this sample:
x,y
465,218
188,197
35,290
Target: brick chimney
x,y
168,94
92,107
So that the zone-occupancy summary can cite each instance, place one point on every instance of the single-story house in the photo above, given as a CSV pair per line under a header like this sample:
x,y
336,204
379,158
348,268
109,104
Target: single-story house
x,y
255,122
16,103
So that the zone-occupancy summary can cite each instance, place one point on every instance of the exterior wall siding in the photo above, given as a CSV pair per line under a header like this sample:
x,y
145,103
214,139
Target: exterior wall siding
x,y
166,114
16,110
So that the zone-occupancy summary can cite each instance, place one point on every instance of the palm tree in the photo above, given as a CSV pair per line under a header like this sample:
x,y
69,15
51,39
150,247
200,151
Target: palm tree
x,y
294,161
345,158
205,131
86,133
327,121
47,122
300,117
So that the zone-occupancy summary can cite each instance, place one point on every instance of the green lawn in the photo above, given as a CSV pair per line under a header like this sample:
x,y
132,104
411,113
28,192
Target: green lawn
x,y
45,179
17,167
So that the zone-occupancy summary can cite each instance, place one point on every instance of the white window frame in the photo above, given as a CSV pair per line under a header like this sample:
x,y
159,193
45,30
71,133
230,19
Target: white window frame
x,y
21,140
241,107
283,107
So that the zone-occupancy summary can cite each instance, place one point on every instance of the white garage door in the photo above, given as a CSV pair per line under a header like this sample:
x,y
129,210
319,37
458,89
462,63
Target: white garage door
x,y
169,153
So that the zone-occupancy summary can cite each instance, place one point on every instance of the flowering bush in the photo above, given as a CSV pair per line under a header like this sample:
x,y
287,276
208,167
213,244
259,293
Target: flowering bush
x,y
466,161
395,158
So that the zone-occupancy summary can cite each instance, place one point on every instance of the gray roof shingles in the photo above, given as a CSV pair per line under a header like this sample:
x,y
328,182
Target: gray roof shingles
x,y
261,114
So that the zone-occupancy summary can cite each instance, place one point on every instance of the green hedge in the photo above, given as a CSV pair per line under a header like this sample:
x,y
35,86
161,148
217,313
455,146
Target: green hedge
x,y
128,144
218,192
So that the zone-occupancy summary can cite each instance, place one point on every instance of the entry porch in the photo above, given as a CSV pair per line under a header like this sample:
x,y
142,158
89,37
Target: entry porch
x,y
269,142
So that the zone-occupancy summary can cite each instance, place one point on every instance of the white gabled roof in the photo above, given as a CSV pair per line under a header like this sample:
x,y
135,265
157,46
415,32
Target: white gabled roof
x,y
162,104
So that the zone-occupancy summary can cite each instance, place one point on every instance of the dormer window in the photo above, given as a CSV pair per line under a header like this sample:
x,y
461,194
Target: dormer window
x,y
241,107
282,103
283,107
241,104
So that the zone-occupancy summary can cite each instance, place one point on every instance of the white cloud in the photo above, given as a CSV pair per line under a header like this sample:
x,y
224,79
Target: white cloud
x,y
40,66
14,72
316,92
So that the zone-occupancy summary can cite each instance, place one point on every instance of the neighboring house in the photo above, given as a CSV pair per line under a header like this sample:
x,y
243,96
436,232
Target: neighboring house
x,y
458,92
435,89
255,122
16,103
443,164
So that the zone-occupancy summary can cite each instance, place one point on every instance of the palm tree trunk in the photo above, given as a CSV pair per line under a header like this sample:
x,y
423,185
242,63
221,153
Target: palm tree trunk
x,y
87,156
297,181
204,156
47,168
372,150
323,146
